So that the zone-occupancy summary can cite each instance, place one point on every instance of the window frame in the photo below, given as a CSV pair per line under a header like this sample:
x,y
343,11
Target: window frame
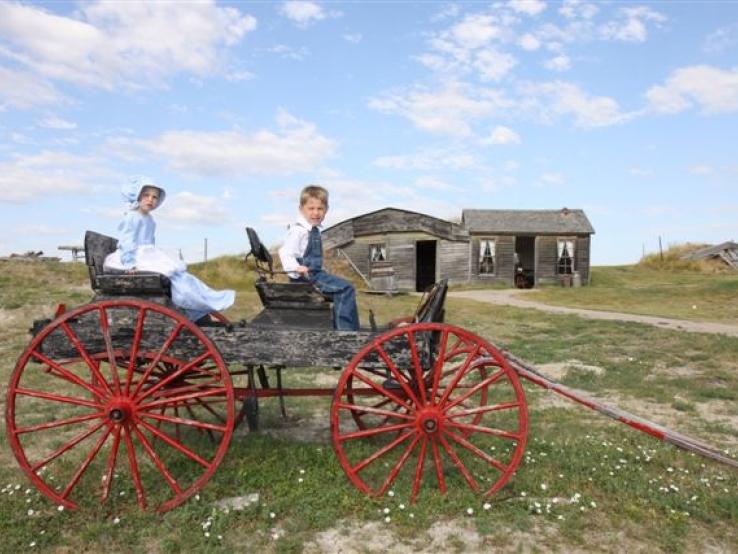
x,y
480,256
564,267
381,247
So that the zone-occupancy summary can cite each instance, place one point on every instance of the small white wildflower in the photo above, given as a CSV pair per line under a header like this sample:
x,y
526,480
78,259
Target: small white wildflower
x,y
401,506
412,516
560,517
523,493
391,493
300,480
386,510
669,469
302,472
593,504
275,536
387,519
220,537
30,512
487,506
28,491
33,543
544,486
122,493
197,497
272,515
60,508
17,487
116,521
470,511
207,534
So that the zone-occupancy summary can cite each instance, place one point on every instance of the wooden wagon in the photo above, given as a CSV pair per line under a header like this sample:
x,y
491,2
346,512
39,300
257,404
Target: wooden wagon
x,y
125,394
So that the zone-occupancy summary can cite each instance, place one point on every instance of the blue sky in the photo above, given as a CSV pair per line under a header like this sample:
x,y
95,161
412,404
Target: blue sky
x,y
628,110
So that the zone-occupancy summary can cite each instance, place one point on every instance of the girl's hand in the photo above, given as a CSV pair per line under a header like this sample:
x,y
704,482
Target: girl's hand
x,y
302,270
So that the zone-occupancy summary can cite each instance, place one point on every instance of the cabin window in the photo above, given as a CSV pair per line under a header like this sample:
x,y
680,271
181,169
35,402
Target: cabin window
x,y
486,256
565,264
378,252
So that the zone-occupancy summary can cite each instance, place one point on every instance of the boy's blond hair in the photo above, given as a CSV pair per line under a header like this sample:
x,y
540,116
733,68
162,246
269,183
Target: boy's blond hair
x,y
314,191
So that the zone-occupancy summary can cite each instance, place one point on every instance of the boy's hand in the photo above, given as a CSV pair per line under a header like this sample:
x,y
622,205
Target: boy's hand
x,y
302,270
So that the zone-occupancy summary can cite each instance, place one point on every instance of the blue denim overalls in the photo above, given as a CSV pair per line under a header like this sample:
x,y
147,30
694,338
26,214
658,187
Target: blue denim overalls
x,y
345,314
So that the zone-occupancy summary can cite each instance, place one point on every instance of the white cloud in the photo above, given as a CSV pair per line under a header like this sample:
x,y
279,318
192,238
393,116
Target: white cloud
x,y
296,146
502,135
551,179
434,183
701,169
353,38
529,42
239,75
54,122
493,65
41,230
632,24
22,90
49,173
722,39
714,90
302,13
562,62
555,99
132,44
528,7
577,9
288,52
186,208
640,172
475,31
449,111
429,160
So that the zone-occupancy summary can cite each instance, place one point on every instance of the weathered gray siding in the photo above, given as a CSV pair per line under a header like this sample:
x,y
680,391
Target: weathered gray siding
x,y
504,259
582,257
453,260
546,259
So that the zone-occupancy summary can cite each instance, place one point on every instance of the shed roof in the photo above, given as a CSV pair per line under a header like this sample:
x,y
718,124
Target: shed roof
x,y
526,221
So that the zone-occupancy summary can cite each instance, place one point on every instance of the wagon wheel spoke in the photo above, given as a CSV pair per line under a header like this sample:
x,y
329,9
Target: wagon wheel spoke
x,y
94,370
416,367
82,468
176,444
398,466
171,377
484,409
381,452
105,328
492,379
155,458
469,446
397,374
458,463
58,423
67,446
438,465
112,459
419,469
133,464
164,348
58,398
135,344
60,371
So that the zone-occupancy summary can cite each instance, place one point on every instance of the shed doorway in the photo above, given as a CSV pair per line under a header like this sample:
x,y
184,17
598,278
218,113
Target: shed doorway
x,y
425,264
525,262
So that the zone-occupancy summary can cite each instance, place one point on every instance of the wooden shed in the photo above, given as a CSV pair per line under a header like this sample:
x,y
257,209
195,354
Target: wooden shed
x,y
528,247
396,249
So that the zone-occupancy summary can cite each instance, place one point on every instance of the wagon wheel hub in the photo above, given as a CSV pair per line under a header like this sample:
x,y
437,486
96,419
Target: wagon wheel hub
x,y
118,412
430,421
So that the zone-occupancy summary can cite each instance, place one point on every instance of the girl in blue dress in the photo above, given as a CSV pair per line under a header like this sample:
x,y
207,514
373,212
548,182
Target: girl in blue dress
x,y
137,252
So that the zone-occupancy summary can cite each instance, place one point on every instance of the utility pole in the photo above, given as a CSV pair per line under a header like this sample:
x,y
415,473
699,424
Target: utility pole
x,y
206,249
661,252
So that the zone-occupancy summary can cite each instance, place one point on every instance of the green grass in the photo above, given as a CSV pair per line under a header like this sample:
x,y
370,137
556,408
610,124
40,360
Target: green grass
x,y
680,293
586,483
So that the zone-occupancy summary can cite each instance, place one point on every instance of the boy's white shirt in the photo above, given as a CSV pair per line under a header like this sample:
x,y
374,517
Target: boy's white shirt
x,y
295,243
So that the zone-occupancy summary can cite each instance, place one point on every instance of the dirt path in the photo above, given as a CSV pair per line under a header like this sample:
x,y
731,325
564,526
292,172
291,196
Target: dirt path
x,y
512,297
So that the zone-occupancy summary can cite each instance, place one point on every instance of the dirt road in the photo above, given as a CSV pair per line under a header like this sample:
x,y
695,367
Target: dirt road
x,y
514,297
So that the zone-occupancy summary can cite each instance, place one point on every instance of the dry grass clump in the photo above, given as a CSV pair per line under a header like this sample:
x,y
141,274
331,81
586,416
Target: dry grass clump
x,y
671,260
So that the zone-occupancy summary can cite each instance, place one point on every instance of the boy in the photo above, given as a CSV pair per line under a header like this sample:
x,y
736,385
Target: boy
x,y
302,258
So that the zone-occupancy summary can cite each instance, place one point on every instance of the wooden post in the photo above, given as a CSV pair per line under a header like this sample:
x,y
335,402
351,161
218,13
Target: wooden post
x,y
206,249
661,252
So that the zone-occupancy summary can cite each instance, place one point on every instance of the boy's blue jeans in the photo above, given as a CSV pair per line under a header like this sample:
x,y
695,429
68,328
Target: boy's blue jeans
x,y
345,313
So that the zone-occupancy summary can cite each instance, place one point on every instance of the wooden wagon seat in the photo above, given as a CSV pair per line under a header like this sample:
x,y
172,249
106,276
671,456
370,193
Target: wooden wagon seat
x,y
113,282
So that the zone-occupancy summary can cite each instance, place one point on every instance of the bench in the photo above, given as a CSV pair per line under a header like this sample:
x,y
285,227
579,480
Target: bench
x,y
116,283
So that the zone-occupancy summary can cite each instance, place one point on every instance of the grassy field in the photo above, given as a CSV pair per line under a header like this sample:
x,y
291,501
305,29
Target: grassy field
x,y
586,482
681,293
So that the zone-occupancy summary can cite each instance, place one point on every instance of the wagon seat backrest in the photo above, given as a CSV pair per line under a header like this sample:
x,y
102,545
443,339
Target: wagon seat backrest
x,y
116,283
289,304
432,310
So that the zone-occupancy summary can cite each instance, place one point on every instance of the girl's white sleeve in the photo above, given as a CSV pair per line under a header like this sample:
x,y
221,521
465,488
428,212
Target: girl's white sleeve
x,y
127,239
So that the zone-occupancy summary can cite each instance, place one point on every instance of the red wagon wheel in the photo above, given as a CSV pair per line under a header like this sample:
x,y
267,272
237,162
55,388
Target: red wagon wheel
x,y
429,398
120,396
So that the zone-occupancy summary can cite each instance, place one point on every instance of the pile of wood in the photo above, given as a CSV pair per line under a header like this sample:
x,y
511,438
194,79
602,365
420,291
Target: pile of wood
x,y
727,252
30,256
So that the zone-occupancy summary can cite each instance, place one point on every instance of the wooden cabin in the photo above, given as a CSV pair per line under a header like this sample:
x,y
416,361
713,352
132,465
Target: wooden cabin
x,y
394,249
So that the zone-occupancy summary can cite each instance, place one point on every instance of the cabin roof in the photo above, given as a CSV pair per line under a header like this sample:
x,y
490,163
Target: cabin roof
x,y
563,221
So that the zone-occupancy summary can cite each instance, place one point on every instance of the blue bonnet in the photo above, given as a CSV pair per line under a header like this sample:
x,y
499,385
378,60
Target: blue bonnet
x,y
132,190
